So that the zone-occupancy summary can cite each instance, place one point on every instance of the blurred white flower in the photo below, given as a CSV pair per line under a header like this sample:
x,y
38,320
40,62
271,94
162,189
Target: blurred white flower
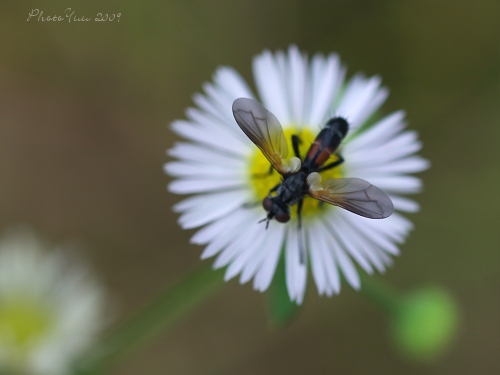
x,y
225,170
51,309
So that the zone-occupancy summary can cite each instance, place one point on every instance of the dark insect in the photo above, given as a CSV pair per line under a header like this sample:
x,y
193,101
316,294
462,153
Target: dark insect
x,y
302,178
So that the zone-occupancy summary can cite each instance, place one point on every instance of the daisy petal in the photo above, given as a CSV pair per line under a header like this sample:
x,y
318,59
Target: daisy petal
x,y
271,85
296,273
404,204
326,77
239,244
408,165
199,153
345,235
271,245
346,266
316,261
297,78
364,247
178,169
378,133
234,227
194,185
265,273
214,229
233,83
332,273
209,207
371,231
397,184
224,141
361,99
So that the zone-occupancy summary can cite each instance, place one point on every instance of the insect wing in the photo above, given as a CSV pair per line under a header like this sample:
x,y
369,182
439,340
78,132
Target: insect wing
x,y
353,194
264,129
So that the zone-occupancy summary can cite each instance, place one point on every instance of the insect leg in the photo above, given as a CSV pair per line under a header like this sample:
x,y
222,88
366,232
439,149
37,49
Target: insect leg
x,y
295,143
302,245
265,174
274,188
332,164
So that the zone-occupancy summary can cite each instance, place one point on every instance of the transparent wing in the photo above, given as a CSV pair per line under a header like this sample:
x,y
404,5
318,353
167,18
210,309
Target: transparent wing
x,y
353,194
264,129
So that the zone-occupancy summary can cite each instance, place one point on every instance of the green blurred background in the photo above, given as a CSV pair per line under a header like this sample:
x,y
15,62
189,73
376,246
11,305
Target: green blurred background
x,y
84,109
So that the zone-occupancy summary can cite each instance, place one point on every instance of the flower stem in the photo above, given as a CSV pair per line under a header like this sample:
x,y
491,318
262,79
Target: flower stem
x,y
382,295
155,318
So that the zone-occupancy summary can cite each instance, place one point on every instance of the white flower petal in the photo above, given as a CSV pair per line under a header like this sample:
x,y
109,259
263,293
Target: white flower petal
x,y
243,258
214,229
297,78
326,77
370,230
240,220
397,184
193,185
400,146
210,207
222,102
380,132
384,256
265,273
346,266
361,99
208,106
411,164
271,86
318,271
234,84
215,125
199,153
296,273
218,140
209,171
327,256
404,204
239,243
395,227
272,241
229,86
360,242
343,233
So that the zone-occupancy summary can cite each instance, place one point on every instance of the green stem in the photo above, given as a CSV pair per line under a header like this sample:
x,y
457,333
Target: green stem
x,y
382,295
280,309
152,320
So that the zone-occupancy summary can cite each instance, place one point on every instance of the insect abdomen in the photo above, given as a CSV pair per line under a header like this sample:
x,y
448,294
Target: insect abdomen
x,y
326,142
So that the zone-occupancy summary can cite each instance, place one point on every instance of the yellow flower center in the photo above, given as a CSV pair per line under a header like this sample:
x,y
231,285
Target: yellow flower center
x,y
23,321
262,181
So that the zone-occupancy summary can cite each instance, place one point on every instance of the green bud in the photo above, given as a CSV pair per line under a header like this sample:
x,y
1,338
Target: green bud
x,y
425,323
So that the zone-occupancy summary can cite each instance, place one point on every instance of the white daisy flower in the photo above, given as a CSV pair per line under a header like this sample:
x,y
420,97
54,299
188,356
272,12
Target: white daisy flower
x,y
227,173
50,310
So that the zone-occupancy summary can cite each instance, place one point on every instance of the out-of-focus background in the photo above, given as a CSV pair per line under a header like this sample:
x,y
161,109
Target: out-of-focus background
x,y
84,109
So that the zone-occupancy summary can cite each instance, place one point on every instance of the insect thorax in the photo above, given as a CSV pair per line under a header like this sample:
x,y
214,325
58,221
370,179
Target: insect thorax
x,y
293,188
